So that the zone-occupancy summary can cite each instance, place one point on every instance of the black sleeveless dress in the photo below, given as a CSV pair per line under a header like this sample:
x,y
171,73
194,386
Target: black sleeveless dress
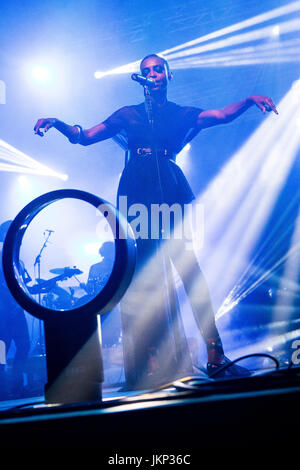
x,y
174,127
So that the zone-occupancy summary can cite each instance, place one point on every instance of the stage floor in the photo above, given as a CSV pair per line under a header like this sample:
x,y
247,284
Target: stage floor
x,y
260,410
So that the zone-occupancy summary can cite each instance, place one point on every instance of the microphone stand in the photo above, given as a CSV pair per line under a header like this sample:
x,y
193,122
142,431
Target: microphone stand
x,y
171,297
39,349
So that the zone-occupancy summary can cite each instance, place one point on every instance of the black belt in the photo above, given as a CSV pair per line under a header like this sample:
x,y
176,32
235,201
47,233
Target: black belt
x,y
143,152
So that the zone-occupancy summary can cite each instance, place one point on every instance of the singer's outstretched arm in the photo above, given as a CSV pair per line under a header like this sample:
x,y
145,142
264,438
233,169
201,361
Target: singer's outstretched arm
x,y
214,117
74,133
101,131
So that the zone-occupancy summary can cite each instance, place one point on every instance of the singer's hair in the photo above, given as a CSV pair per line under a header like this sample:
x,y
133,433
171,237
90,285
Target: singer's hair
x,y
161,58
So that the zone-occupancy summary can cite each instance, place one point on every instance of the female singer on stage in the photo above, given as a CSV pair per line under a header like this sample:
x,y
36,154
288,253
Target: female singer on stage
x,y
155,131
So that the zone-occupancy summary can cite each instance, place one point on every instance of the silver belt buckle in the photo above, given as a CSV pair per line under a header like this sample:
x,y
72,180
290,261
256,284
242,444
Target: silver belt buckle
x,y
144,152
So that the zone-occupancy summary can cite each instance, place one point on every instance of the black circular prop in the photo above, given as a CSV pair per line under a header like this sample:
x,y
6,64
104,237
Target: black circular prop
x,y
122,269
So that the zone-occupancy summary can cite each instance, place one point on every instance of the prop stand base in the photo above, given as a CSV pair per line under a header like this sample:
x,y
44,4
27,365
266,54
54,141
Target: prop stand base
x,y
74,359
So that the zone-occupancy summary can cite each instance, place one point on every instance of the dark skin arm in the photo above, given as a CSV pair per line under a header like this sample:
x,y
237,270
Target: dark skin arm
x,y
214,117
89,136
206,119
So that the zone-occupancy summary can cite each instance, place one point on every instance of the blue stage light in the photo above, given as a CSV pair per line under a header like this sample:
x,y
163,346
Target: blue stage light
x,y
14,160
223,47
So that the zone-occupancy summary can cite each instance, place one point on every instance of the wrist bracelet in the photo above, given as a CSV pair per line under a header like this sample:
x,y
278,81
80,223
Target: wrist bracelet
x,y
76,139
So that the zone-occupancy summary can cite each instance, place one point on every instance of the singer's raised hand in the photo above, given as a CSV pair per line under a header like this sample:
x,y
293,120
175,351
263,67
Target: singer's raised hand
x,y
264,103
45,124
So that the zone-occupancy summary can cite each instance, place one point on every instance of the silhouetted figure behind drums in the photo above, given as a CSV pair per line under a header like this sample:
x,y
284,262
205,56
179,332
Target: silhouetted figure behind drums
x,y
13,328
100,272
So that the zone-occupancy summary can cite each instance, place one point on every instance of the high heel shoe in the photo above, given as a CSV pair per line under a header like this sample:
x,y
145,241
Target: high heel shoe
x,y
218,364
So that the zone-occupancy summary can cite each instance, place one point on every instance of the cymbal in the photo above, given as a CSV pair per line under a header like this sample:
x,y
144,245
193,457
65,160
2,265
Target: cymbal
x,y
57,270
44,286
67,269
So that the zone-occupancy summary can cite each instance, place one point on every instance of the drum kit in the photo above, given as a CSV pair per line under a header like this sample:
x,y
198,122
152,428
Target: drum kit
x,y
58,298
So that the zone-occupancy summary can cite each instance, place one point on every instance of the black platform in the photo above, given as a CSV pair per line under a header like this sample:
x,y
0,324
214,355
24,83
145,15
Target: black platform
x,y
257,411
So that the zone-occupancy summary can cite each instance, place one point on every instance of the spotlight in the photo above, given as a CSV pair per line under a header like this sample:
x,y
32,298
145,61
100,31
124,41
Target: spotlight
x,y
128,68
249,201
276,31
183,158
41,73
190,54
186,148
99,74
19,162
24,183
91,248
